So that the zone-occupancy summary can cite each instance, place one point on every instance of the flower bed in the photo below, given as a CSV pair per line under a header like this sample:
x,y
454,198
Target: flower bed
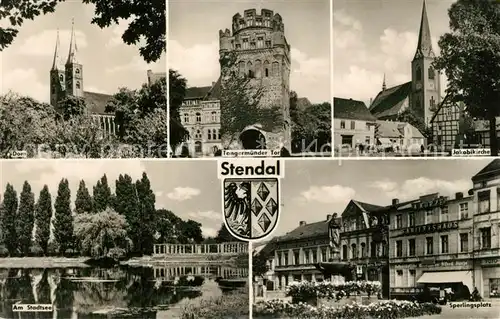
x,y
310,291
390,309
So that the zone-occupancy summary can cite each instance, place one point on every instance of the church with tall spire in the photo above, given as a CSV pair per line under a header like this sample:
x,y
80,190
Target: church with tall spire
x,y
422,94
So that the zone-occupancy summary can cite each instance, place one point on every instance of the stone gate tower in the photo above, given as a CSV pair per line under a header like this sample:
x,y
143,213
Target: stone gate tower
x,y
263,55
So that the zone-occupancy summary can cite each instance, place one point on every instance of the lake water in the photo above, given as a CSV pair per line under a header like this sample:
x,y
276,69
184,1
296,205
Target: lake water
x,y
161,291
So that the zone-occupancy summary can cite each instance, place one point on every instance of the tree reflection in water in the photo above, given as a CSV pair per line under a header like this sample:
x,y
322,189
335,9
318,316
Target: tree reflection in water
x,y
86,291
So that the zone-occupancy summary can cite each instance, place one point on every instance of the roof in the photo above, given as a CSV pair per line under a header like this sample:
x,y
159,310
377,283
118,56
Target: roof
x,y
313,230
367,207
392,129
351,109
389,102
445,102
96,102
303,103
204,92
490,170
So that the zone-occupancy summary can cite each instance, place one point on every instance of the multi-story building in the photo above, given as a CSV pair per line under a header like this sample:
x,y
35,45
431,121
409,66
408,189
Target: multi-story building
x,y
486,228
353,124
365,242
399,134
200,116
430,243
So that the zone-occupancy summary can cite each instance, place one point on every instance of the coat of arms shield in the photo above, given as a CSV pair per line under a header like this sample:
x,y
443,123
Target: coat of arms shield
x,y
251,206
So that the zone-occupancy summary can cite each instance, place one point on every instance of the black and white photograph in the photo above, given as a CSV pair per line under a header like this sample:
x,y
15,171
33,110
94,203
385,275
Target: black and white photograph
x,y
118,239
250,78
416,78
419,238
83,79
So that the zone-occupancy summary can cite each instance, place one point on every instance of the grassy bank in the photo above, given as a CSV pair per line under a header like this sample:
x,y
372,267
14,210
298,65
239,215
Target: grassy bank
x,y
42,262
235,305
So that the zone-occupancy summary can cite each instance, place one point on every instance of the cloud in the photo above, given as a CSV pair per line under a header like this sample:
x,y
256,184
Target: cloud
x,y
413,188
210,214
45,42
197,64
51,172
342,18
208,231
158,194
183,193
138,64
16,81
310,76
328,194
117,32
95,90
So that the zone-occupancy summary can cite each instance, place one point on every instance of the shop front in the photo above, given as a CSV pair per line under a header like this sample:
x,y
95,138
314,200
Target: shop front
x,y
489,281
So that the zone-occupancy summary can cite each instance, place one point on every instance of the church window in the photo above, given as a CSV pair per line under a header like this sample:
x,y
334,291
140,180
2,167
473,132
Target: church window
x,y
209,135
276,69
242,68
245,44
419,74
186,118
260,42
432,73
268,43
258,69
78,85
250,70
77,71
198,117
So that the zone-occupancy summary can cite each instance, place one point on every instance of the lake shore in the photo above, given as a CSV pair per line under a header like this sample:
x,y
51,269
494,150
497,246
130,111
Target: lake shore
x,y
42,262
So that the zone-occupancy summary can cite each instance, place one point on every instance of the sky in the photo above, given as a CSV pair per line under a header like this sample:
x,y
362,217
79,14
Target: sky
x,y
108,63
313,189
191,190
374,37
193,46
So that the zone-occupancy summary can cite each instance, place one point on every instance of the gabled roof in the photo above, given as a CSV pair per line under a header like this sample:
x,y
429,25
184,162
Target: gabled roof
x,y
313,230
366,207
96,102
389,102
445,102
204,92
351,110
393,129
490,170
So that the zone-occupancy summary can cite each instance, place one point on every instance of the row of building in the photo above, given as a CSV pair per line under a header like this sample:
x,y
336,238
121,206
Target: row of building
x,y
433,240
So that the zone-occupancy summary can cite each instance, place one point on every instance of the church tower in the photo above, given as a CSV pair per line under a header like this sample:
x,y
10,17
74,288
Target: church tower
x,y
74,70
258,38
426,86
57,76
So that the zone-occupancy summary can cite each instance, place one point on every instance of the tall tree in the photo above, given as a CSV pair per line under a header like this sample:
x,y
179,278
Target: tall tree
x,y
148,23
150,134
223,235
83,202
9,219
177,92
63,219
146,198
127,204
165,226
124,105
240,99
102,195
43,217
312,127
71,106
26,218
470,60
191,232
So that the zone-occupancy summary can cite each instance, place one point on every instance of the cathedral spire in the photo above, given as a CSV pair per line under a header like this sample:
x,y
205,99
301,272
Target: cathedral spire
x,y
384,87
424,47
55,63
72,45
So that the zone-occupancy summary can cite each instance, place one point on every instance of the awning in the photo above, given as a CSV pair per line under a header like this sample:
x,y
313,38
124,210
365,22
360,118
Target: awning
x,y
443,277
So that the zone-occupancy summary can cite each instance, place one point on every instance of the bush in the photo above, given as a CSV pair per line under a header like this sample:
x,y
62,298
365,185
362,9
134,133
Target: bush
x,y
384,309
3,251
36,250
305,290
232,305
117,253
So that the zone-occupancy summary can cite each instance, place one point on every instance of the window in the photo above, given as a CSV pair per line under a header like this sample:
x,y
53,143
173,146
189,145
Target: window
x,y
342,124
266,69
245,44
78,85
485,237
344,252
198,134
432,102
429,245
198,117
444,214
214,116
399,221
363,250
411,219
276,69
296,257
77,71
186,118
484,202
373,249
411,277
428,217
464,243
260,42
250,70
353,125
399,248
258,69
285,256
214,134
354,251
61,77
494,288
411,247
314,256
399,278
444,244
238,46
432,73
218,135
197,147
209,134
306,256
367,140
323,255
268,44
253,45
464,210
419,74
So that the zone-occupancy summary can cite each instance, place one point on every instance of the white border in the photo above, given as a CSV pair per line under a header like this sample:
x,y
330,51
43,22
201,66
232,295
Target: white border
x,y
167,65
332,128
